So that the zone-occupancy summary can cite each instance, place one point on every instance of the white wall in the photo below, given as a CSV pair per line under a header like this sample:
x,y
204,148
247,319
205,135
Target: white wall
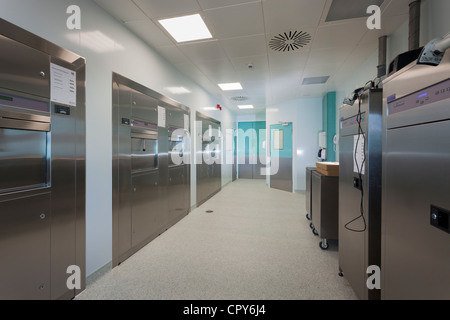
x,y
306,118
125,54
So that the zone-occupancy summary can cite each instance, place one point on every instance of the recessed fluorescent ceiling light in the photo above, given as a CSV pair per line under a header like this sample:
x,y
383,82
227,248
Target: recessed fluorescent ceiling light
x,y
230,86
246,107
209,109
186,28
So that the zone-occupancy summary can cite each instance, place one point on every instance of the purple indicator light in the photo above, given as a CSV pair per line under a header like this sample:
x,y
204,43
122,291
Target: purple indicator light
x,y
422,95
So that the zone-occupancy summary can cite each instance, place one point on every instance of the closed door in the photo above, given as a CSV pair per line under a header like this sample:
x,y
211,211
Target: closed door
x,y
251,149
281,157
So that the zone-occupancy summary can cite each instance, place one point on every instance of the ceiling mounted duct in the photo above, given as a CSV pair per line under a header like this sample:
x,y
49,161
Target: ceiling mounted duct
x,y
290,41
315,80
350,9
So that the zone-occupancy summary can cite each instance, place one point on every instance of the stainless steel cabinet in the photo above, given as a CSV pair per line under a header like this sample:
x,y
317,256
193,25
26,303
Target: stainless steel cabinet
x,y
150,193
25,233
24,69
42,168
209,170
360,231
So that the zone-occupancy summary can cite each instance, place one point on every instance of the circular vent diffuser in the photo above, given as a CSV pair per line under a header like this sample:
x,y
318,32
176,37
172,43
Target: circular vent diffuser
x,y
290,41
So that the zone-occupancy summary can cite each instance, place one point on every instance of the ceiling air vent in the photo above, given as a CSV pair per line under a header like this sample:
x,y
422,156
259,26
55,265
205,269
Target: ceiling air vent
x,y
239,98
290,41
315,80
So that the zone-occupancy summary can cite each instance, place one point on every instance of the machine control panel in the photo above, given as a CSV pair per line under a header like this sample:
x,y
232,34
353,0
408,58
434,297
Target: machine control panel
x,y
436,93
10,100
143,125
353,121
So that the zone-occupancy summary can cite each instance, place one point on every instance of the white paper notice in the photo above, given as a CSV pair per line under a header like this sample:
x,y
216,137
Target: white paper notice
x,y
63,85
358,155
161,117
186,122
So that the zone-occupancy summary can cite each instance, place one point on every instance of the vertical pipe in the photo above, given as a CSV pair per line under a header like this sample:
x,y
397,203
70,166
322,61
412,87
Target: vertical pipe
x,y
382,56
414,25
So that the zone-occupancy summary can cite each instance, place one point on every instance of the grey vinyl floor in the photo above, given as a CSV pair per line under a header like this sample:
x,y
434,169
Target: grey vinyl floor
x,y
256,245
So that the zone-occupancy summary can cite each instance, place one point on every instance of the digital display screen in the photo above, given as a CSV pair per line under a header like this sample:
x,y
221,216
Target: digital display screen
x,y
6,98
422,95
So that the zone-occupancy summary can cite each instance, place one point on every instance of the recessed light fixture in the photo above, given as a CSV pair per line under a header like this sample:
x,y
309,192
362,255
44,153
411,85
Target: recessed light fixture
x,y
209,109
186,28
230,86
243,107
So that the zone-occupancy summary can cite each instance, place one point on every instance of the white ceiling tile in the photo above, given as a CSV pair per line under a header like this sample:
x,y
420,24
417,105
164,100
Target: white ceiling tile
x,y
245,46
149,32
212,4
158,9
259,70
173,55
280,63
339,35
123,10
287,15
236,21
203,51
219,71
329,56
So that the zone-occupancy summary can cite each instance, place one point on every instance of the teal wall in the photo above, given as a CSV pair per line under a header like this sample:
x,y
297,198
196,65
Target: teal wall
x,y
329,122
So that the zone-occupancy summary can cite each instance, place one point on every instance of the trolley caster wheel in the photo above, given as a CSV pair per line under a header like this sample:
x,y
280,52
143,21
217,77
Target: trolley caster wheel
x,y
323,245
308,217
314,231
311,225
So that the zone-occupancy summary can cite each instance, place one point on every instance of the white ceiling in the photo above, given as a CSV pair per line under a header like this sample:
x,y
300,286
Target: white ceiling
x,y
242,30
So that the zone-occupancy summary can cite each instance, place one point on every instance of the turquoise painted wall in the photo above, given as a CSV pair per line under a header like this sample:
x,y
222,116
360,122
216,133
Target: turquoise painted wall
x,y
329,122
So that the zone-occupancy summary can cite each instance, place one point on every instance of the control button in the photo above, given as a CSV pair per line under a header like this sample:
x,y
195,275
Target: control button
x,y
434,216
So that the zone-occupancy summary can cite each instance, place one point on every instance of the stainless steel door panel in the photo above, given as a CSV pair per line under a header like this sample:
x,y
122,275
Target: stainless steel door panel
x,y
144,154
175,118
23,159
24,69
148,215
144,107
245,169
25,248
352,251
282,180
415,255
177,192
63,200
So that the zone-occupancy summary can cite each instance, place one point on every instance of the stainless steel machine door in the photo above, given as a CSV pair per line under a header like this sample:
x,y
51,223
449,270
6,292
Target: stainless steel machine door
x,y
24,69
25,230
209,175
42,155
416,183
360,232
416,255
23,159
